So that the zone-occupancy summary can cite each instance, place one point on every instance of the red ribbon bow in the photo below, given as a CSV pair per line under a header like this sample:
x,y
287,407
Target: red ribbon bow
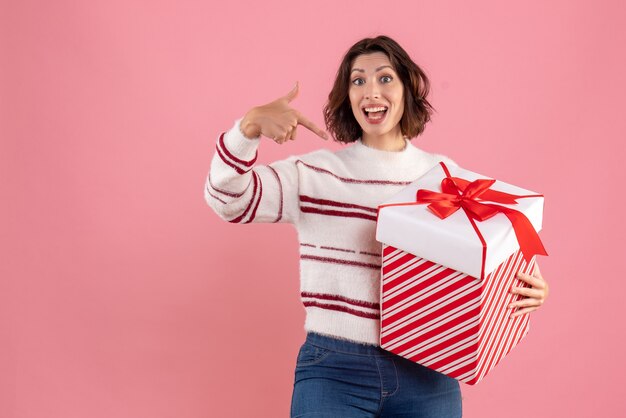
x,y
458,193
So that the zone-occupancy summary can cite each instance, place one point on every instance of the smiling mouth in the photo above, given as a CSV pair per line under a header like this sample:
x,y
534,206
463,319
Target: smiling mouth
x,y
375,114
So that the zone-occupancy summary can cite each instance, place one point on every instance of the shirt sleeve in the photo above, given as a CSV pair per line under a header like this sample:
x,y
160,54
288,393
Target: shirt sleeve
x,y
240,191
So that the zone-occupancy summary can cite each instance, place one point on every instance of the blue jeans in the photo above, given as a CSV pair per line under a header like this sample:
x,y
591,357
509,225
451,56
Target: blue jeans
x,y
342,379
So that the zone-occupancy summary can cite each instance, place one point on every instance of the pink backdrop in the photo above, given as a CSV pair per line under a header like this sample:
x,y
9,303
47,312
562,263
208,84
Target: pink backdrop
x,y
123,295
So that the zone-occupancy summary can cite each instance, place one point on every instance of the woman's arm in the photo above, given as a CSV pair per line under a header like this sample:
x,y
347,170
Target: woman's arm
x,y
240,191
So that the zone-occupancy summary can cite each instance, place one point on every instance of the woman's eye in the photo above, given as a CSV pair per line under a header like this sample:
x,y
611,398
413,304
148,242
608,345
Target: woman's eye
x,y
356,81
386,77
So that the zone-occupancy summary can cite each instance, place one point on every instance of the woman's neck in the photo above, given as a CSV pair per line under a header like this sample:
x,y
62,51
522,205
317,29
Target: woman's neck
x,y
391,141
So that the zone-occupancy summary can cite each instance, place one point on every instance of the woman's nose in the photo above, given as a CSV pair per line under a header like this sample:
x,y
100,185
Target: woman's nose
x,y
372,90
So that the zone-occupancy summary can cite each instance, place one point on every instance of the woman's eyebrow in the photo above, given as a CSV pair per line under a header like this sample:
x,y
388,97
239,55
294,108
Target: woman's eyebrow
x,y
378,69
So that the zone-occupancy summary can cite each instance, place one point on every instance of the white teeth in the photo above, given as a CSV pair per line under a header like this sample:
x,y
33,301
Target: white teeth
x,y
375,109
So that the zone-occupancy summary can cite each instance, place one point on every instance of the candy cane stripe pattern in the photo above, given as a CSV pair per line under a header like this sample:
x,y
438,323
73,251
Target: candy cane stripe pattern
x,y
449,321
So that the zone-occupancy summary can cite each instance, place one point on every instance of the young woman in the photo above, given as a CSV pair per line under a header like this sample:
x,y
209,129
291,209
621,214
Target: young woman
x,y
377,105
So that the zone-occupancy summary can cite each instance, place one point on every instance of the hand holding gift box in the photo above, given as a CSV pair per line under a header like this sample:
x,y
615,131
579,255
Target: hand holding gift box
x,y
536,294
453,244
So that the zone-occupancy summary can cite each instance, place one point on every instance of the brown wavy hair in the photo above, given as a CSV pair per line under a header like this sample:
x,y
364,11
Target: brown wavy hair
x,y
338,116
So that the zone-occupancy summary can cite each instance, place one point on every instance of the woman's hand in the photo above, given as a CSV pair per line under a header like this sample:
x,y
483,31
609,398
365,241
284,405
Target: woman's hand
x,y
536,294
277,120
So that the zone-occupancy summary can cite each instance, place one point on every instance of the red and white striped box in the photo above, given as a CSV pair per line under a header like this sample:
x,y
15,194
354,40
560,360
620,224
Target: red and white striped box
x,y
445,283
448,321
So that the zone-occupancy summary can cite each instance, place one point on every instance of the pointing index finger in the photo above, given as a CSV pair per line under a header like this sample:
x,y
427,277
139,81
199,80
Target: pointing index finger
x,y
311,126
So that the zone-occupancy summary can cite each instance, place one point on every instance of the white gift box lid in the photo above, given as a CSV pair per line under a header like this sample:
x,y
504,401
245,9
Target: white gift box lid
x,y
452,241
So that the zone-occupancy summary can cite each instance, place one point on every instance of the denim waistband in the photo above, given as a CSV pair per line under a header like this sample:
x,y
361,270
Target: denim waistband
x,y
345,346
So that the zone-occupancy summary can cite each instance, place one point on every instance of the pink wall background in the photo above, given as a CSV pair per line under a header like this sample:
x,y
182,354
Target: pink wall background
x,y
123,295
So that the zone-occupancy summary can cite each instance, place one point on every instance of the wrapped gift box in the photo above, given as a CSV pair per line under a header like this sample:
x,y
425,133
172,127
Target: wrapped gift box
x,y
453,242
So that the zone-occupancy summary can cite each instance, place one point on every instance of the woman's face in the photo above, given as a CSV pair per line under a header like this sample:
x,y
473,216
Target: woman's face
x,y
374,84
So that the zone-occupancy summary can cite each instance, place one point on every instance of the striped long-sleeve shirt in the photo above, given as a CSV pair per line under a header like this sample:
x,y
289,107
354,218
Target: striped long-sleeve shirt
x,y
331,198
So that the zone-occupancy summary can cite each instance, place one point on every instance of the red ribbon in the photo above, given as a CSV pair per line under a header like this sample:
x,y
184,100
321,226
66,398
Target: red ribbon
x,y
457,193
